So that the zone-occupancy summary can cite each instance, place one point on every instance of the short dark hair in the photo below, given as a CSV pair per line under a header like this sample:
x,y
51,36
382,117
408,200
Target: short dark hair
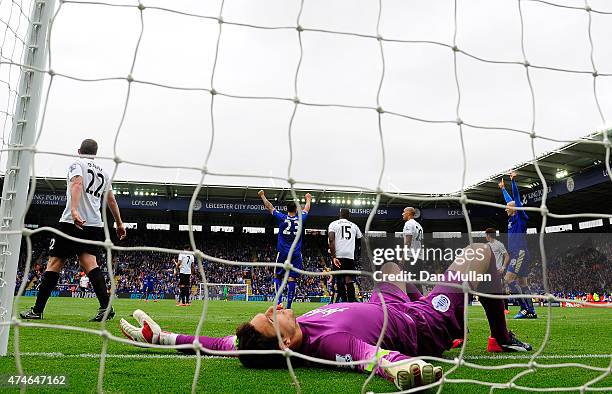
x,y
491,232
291,207
251,339
89,147
345,213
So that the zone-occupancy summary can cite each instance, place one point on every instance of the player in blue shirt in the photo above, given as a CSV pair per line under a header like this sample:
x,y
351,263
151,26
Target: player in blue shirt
x,y
518,270
148,286
288,225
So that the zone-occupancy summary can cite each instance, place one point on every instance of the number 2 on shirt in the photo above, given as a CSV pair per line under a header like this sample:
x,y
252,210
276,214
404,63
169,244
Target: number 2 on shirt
x,y
89,190
291,228
419,236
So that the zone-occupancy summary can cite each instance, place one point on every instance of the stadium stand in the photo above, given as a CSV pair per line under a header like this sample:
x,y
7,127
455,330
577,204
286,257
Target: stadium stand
x,y
574,272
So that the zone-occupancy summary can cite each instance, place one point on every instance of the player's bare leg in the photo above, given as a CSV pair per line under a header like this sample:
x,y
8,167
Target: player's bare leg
x,y
48,282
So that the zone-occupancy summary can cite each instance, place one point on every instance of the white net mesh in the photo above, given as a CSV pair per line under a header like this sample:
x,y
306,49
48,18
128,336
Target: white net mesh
x,y
15,20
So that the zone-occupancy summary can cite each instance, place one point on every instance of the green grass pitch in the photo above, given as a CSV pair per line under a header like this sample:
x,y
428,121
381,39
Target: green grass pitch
x,y
580,335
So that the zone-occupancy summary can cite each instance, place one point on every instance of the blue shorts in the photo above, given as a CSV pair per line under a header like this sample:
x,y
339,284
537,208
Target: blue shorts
x,y
148,289
519,263
296,261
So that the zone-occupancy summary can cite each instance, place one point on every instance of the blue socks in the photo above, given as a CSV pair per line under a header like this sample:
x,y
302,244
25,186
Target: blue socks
x,y
528,301
277,285
515,289
290,293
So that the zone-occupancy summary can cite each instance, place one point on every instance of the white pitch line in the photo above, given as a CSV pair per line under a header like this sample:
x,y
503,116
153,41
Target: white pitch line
x,y
128,356
545,356
186,356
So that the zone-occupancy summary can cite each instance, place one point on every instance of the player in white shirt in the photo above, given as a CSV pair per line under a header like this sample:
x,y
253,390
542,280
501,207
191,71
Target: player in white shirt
x,y
184,268
413,240
502,257
342,236
83,285
413,233
86,185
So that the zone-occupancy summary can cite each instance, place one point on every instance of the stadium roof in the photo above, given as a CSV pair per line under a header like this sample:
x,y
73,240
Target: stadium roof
x,y
214,191
570,160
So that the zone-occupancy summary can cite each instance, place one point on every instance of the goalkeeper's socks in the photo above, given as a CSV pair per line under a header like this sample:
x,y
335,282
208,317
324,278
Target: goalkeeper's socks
x,y
96,277
515,289
277,285
528,301
494,307
290,293
47,284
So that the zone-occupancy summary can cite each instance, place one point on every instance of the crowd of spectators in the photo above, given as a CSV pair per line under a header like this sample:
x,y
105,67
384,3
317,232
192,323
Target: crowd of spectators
x,y
131,267
573,272
577,272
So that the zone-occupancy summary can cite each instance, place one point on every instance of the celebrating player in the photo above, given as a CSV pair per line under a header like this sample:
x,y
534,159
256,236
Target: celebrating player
x,y
519,254
81,219
184,270
341,236
288,225
416,326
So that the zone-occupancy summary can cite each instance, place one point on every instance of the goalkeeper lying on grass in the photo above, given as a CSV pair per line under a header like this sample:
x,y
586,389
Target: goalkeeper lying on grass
x,y
344,332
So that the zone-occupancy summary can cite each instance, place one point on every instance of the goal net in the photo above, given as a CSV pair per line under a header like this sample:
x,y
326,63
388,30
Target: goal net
x,y
492,85
224,291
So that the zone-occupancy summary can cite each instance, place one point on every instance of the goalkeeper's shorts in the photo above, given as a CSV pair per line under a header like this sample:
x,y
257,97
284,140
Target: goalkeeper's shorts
x,y
519,263
296,261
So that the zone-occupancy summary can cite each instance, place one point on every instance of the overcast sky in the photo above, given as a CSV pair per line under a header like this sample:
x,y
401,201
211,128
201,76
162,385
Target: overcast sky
x,y
333,145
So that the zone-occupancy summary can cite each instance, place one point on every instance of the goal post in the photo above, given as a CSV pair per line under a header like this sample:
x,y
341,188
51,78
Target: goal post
x,y
19,158
223,291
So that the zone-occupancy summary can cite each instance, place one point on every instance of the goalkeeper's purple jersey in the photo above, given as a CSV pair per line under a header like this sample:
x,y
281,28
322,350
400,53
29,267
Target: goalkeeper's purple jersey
x,y
345,331
332,331
348,332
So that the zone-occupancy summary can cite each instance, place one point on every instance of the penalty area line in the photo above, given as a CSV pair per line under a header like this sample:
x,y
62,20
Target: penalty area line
x,y
542,357
125,356
188,356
